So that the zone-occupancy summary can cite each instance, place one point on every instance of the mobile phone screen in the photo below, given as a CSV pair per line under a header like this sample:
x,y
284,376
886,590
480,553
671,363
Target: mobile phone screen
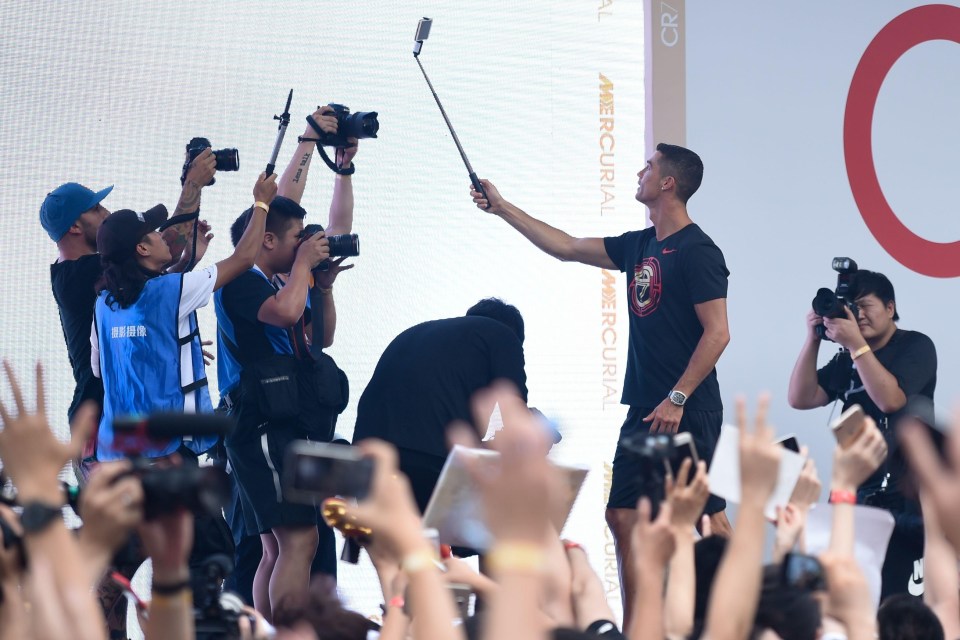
x,y
313,476
791,443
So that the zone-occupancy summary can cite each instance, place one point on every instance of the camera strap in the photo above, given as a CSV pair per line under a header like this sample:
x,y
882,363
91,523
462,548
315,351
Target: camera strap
x,y
335,167
179,219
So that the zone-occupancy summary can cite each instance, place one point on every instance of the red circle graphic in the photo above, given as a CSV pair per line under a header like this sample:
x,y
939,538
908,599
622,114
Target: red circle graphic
x,y
916,26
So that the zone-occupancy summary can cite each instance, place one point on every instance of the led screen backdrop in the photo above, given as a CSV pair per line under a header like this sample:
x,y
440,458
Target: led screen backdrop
x,y
547,98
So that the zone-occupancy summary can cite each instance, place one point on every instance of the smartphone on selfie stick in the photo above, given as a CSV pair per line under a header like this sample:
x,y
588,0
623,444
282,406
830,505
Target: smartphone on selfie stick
x,y
423,32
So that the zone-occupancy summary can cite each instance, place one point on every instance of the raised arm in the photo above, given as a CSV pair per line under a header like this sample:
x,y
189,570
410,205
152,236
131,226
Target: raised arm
x,y
851,467
294,179
736,589
941,585
325,280
245,253
33,457
550,240
201,171
805,391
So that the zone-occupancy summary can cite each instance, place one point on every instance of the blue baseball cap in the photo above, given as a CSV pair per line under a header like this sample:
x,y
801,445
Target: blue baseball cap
x,y
63,205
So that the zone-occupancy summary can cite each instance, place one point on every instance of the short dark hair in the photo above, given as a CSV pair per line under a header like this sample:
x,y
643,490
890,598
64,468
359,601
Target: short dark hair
x,y
682,165
904,617
497,309
866,282
282,211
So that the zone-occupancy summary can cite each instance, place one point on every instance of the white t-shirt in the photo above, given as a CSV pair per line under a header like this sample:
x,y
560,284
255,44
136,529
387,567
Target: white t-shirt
x,y
196,292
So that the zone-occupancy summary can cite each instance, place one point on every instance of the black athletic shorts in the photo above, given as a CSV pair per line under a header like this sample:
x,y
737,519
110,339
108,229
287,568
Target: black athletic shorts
x,y
256,450
626,487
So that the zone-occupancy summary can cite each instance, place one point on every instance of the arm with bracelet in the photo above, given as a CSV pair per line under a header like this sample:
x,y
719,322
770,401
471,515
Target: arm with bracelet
x,y
167,541
245,253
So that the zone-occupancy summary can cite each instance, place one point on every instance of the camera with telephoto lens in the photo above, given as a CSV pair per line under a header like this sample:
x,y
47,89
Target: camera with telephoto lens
x,y
345,244
217,613
227,159
201,490
362,124
832,304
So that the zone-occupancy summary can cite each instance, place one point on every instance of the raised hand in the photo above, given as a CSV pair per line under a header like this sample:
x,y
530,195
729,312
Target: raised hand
x,y
688,495
32,455
857,462
266,188
494,199
759,455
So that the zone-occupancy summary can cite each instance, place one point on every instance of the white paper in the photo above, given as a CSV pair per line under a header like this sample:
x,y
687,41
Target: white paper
x,y
455,509
725,472
872,529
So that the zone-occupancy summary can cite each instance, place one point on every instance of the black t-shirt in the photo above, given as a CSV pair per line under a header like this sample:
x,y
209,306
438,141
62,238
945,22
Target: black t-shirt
x,y
910,357
73,283
665,279
241,300
427,375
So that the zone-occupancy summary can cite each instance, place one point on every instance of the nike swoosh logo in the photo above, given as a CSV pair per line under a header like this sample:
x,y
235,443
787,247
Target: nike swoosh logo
x,y
915,583
666,251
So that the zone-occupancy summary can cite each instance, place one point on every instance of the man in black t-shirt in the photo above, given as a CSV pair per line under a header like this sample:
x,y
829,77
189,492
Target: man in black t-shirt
x,y
71,215
426,378
880,367
678,324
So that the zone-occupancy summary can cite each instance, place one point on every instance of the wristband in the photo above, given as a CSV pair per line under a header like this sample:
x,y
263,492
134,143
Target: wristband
x,y
570,544
418,561
517,556
322,290
170,589
396,602
841,496
859,352
262,205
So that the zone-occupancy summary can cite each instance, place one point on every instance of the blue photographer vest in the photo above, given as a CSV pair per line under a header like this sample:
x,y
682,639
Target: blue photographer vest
x,y
141,360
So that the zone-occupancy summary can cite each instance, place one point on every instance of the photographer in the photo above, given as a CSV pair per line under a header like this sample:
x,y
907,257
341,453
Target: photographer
x,y
274,321
71,215
145,343
879,367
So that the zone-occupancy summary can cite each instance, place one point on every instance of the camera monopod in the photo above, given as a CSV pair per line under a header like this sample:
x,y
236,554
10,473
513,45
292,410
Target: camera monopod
x,y
284,119
423,32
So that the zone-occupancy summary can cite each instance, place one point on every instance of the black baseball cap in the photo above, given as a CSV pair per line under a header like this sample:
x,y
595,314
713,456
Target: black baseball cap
x,y
122,231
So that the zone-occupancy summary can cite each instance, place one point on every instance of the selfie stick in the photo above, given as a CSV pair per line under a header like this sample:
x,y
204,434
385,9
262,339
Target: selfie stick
x,y
284,119
423,31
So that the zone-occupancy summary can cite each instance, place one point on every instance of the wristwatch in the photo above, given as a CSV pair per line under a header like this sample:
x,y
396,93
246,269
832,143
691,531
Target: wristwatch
x,y
678,398
37,516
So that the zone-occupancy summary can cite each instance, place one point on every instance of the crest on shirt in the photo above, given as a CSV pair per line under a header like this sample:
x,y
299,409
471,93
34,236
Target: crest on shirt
x,y
646,287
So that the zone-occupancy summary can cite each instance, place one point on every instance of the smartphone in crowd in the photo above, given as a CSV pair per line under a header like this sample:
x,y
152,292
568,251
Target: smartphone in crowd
x,y
849,425
790,442
802,571
315,471
684,447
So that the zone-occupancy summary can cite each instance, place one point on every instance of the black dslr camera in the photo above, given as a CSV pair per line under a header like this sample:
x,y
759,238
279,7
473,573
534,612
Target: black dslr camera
x,y
831,304
345,244
659,455
202,490
362,124
217,613
227,159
